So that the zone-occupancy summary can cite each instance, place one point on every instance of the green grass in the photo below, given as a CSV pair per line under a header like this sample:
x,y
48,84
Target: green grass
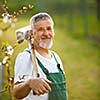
x,y
81,59
80,56
81,63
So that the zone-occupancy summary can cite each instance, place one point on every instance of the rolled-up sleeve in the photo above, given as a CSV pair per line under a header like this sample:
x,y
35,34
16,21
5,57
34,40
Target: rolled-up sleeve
x,y
23,67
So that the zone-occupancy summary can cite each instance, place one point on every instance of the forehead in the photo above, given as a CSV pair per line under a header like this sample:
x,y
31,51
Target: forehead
x,y
43,23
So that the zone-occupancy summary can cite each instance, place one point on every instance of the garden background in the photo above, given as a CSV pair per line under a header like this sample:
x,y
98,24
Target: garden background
x,y
77,41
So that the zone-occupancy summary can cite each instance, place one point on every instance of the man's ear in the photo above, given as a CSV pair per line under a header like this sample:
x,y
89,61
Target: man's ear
x,y
31,34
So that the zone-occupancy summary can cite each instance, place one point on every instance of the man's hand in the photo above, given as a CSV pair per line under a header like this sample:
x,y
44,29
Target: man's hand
x,y
40,85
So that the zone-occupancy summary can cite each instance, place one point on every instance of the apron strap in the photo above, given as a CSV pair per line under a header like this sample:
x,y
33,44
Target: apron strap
x,y
58,65
42,67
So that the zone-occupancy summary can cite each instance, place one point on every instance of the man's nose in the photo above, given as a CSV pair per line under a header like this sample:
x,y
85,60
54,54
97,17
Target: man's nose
x,y
46,31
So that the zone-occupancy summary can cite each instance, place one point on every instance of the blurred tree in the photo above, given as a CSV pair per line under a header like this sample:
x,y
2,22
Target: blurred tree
x,y
83,6
7,21
98,8
70,15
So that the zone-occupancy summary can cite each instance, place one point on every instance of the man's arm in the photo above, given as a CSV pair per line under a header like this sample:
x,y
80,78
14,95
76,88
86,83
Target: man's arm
x,y
21,90
38,85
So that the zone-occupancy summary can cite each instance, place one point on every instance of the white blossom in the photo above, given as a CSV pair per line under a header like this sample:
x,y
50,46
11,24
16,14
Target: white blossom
x,y
30,6
7,64
24,8
1,32
5,19
10,50
5,60
10,79
0,64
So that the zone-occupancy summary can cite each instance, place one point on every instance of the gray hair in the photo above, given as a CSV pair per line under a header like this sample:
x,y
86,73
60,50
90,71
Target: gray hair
x,y
40,16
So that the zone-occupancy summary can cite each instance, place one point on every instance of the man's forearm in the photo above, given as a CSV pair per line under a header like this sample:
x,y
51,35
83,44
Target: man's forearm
x,y
21,90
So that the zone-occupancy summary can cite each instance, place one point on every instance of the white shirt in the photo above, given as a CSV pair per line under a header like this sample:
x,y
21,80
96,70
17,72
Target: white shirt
x,y
24,69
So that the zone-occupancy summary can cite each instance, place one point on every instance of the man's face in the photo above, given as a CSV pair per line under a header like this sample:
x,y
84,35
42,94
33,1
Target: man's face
x,y
43,34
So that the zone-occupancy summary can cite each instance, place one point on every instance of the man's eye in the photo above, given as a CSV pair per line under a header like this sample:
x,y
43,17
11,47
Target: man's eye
x,y
41,29
49,28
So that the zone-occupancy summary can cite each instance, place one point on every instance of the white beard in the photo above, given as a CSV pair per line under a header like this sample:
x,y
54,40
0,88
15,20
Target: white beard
x,y
46,45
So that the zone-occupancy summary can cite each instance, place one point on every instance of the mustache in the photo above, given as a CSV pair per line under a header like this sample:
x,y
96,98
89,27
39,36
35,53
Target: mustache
x,y
46,37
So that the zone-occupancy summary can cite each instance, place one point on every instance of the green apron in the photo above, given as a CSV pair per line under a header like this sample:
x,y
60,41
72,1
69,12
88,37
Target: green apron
x,y
58,85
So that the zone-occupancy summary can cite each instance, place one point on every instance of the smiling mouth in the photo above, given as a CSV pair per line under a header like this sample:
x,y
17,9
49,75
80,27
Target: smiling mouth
x,y
45,38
